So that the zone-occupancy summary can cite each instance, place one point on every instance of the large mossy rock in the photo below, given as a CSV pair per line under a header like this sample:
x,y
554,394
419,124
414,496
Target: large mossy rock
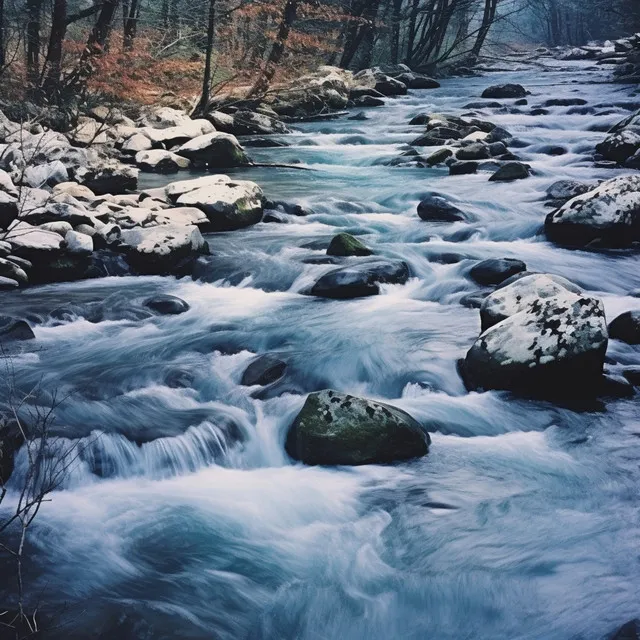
x,y
609,214
334,429
344,244
553,347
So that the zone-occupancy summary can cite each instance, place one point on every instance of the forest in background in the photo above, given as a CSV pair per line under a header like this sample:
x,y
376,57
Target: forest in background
x,y
143,51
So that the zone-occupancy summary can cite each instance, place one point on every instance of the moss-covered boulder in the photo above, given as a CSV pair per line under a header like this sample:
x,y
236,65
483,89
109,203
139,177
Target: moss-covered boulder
x,y
344,244
333,429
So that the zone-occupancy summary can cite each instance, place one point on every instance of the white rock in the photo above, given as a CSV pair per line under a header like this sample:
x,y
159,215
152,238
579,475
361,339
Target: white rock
x,y
214,150
518,295
88,132
61,227
47,174
182,216
177,135
136,143
160,161
6,184
78,243
27,239
163,118
477,136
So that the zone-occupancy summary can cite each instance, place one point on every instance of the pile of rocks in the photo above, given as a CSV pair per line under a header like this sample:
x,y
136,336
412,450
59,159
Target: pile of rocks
x,y
69,232
331,89
466,145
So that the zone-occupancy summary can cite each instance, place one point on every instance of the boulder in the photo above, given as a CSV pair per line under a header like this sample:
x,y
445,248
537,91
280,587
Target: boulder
x,y
227,204
565,102
344,244
9,269
163,118
496,270
136,143
519,294
439,156
214,150
626,327
554,346
417,80
30,242
162,249
463,168
475,151
61,227
628,631
510,171
88,132
9,209
159,161
7,284
339,429
368,101
171,136
78,243
610,214
13,329
360,280
264,370
505,91
563,190
619,146
436,208
46,174
75,190
166,305
108,176
253,123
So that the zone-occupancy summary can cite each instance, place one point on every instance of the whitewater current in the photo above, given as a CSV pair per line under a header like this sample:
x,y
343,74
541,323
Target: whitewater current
x,y
185,518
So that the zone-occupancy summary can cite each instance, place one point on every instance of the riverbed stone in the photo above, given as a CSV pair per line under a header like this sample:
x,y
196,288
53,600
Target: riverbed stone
x,y
333,428
78,243
166,305
13,329
360,280
610,214
505,91
626,327
344,244
160,161
619,146
108,176
436,208
263,370
493,271
510,171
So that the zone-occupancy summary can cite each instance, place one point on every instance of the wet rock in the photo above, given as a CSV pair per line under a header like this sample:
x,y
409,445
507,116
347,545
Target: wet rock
x,y
483,105
360,280
436,208
13,329
214,150
439,156
615,386
498,134
552,150
628,631
521,293
417,80
610,214
475,151
159,161
227,204
463,168
428,140
162,249
360,116
626,327
565,102
496,270
166,305
510,171
505,91
554,347
539,112
345,244
474,299
632,374
419,120
7,284
521,103
247,123
262,371
337,429
368,101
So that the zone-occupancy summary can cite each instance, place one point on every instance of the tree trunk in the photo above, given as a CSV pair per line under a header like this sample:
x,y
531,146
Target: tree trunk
x,y
130,26
288,17
490,7
2,37
203,105
54,52
34,10
395,31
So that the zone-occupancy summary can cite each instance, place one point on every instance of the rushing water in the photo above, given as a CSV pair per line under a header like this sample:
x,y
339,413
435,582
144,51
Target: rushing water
x,y
185,517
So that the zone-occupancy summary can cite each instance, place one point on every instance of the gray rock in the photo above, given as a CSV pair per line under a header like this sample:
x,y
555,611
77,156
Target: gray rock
x,y
6,284
436,208
8,269
337,429
13,329
510,171
215,150
264,370
136,143
496,270
505,91
626,327
78,243
47,174
108,176
475,151
159,161
166,305
345,244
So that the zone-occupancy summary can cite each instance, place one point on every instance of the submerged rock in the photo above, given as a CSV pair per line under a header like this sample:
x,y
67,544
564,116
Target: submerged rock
x,y
626,327
360,280
436,208
344,244
337,429
493,271
12,329
628,631
264,370
510,171
166,305
610,213
554,347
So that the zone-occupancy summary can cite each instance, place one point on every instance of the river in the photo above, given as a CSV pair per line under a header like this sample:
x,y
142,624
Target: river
x,y
186,518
